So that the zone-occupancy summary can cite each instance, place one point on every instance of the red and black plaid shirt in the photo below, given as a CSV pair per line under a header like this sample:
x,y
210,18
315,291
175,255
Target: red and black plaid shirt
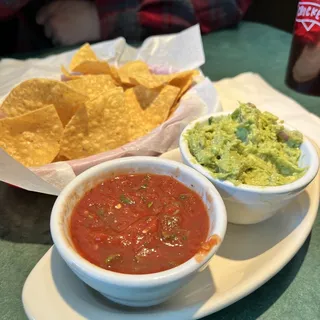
x,y
133,19
137,19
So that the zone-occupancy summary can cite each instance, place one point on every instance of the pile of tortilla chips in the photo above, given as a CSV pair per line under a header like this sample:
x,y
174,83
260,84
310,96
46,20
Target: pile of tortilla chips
x,y
99,108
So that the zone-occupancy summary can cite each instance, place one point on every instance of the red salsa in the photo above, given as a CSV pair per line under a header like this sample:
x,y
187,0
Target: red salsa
x,y
139,223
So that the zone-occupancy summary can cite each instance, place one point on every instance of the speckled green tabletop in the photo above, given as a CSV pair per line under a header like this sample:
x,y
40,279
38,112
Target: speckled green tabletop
x,y
294,293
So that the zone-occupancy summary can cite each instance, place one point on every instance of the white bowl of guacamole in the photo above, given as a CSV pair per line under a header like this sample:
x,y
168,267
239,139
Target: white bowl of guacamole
x,y
257,162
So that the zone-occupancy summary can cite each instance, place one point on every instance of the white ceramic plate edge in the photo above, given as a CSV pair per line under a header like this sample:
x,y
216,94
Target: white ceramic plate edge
x,y
259,280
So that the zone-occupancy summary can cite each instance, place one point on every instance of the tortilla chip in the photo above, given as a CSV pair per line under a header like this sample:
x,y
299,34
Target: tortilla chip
x,y
115,75
150,81
68,75
183,80
92,85
93,67
165,78
160,106
85,53
2,114
144,96
33,94
99,126
148,108
33,138
59,157
173,109
131,70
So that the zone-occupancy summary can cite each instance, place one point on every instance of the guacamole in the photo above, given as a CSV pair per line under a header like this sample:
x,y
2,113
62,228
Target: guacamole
x,y
247,147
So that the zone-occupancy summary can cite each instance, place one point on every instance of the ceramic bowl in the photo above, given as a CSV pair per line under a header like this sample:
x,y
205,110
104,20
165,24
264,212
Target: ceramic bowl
x,y
252,204
128,289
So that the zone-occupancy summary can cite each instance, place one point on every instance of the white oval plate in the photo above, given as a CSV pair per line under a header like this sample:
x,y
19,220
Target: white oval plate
x,y
249,256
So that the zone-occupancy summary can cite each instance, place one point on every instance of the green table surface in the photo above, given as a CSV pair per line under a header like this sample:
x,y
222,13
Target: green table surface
x,y
294,293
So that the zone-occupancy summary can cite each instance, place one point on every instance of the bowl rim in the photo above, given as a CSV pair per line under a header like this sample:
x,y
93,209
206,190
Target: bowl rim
x,y
299,183
72,257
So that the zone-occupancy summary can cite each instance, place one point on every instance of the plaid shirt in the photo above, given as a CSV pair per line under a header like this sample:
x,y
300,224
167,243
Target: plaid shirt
x,y
133,19
138,19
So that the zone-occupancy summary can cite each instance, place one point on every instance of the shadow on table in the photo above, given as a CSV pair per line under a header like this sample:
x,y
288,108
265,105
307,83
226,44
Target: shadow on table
x,y
254,305
25,216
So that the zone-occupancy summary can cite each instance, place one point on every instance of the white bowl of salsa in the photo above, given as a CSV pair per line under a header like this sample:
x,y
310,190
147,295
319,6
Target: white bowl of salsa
x,y
250,204
137,229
